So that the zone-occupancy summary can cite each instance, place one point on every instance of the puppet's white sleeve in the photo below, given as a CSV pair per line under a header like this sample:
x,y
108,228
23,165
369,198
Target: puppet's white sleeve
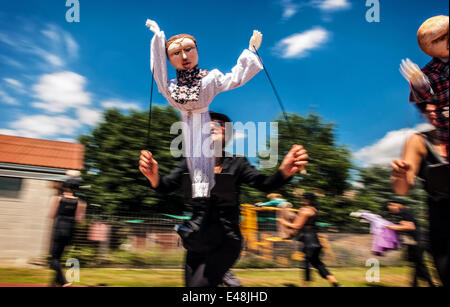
x,y
248,65
158,63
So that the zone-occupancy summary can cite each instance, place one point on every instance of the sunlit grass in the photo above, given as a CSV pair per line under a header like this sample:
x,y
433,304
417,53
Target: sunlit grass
x,y
349,277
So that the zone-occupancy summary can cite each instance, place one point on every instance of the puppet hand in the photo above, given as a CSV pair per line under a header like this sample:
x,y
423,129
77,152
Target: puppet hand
x,y
153,26
255,41
413,73
149,167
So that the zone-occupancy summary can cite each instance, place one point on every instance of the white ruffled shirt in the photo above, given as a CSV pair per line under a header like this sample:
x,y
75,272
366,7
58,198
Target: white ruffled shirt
x,y
195,113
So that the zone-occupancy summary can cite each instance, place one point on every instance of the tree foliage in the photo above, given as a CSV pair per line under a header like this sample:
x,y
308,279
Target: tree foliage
x,y
112,153
113,147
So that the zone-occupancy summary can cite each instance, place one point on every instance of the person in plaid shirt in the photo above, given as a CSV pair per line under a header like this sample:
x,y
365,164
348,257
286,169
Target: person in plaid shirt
x,y
429,85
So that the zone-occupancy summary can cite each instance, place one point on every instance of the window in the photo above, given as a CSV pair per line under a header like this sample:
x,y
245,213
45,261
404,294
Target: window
x,y
10,187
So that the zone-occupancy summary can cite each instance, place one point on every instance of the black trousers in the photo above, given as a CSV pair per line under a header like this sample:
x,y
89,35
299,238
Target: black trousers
x,y
312,258
208,269
415,255
58,246
439,238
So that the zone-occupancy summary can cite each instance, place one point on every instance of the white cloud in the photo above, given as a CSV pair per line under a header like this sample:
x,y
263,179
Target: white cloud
x,y
289,8
89,116
120,104
43,126
388,148
7,99
239,135
298,45
71,45
61,91
11,62
67,140
61,40
55,45
15,84
334,5
8,132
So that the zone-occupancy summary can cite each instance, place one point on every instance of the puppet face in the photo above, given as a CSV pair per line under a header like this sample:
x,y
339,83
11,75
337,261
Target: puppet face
x,y
183,54
433,37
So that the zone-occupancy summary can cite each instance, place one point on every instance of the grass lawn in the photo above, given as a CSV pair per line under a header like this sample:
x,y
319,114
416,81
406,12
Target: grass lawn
x,y
348,277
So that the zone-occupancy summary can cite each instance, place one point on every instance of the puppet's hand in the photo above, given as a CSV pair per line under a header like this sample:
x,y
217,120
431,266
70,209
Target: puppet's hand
x,y
153,26
413,73
255,41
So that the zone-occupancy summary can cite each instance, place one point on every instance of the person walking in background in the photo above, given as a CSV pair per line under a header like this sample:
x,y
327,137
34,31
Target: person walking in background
x,y
66,210
305,225
409,226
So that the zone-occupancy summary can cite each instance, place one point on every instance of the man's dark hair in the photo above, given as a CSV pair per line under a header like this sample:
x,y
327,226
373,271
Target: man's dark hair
x,y
225,119
72,184
422,106
311,197
219,116
396,200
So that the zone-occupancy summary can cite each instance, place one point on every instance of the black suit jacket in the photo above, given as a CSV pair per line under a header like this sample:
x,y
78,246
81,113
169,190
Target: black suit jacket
x,y
228,211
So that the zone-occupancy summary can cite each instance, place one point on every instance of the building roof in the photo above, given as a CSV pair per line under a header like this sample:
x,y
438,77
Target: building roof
x,y
36,152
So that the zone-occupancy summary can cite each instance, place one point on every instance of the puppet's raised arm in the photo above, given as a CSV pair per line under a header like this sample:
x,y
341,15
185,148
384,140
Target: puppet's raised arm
x,y
248,65
158,59
421,89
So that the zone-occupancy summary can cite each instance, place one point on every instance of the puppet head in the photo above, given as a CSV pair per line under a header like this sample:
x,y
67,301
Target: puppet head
x,y
433,36
182,51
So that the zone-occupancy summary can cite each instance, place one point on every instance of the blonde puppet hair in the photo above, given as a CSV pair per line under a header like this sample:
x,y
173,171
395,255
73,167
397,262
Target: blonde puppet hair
x,y
176,37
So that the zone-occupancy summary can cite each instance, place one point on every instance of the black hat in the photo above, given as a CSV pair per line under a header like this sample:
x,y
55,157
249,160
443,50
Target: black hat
x,y
219,116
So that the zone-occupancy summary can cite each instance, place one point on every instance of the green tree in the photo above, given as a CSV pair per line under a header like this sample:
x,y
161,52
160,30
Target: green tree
x,y
112,153
328,169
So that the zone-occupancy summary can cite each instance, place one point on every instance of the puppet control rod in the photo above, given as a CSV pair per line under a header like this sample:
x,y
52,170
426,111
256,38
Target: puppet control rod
x,y
291,132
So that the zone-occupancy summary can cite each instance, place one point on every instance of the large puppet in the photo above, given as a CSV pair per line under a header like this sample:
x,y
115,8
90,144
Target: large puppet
x,y
193,91
429,85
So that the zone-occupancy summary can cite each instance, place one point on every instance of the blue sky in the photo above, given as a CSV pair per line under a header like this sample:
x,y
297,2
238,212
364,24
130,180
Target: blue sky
x,y
56,77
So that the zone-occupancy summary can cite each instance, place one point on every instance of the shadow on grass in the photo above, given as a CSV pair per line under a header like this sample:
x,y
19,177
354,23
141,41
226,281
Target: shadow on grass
x,y
376,285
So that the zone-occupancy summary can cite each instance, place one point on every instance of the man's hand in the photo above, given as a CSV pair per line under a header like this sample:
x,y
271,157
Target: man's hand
x,y
413,73
255,41
153,26
295,160
149,167
400,168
